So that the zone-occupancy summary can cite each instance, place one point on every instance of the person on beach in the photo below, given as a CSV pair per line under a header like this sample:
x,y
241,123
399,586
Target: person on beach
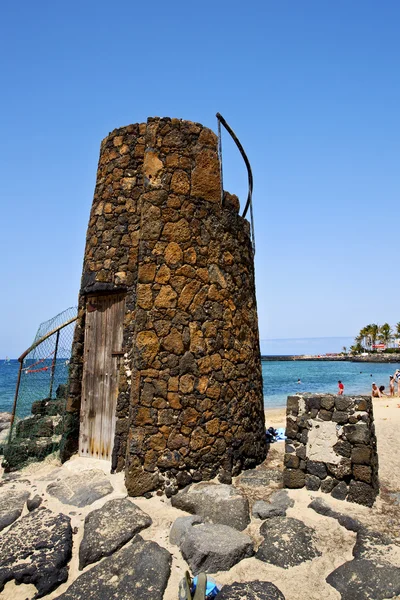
x,y
382,390
396,377
391,385
340,388
375,393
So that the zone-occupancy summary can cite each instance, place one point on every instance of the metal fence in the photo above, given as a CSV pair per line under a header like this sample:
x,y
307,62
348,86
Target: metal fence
x,y
40,396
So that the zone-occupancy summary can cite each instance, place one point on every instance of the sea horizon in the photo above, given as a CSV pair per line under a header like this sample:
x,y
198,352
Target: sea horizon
x,y
290,346
307,345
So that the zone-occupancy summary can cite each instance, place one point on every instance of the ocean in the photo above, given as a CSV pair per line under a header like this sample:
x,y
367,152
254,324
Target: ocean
x,y
279,379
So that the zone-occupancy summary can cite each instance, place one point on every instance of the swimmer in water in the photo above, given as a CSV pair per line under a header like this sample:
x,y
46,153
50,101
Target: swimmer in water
x,y
299,381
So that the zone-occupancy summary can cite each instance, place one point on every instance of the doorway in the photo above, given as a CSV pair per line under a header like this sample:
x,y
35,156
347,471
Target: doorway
x,y
102,355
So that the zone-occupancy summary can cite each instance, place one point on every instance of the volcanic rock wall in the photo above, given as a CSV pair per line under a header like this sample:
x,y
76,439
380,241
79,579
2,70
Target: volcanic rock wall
x,y
190,403
331,445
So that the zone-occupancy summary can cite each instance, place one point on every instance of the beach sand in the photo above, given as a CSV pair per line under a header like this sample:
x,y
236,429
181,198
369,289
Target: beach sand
x,y
306,581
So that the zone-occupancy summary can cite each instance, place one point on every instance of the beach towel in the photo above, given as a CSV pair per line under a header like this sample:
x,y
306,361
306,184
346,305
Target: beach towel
x,y
275,435
212,588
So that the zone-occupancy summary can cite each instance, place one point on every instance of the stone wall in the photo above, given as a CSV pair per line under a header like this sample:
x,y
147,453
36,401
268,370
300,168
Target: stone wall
x,y
190,402
331,446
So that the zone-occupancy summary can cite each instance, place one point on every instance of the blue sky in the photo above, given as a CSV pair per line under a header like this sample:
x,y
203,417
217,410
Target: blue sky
x,y
311,88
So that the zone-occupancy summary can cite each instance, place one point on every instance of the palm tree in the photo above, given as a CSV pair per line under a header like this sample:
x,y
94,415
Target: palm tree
x,y
373,332
344,350
360,339
367,336
397,332
385,333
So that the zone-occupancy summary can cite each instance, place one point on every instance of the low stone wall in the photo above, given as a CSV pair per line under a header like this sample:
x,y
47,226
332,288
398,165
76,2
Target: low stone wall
x,y
331,446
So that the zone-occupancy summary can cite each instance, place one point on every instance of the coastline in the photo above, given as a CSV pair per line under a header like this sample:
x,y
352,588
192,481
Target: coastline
x,y
334,542
371,358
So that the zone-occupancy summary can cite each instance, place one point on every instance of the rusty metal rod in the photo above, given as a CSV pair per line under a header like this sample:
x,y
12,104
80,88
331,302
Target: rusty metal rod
x,y
21,358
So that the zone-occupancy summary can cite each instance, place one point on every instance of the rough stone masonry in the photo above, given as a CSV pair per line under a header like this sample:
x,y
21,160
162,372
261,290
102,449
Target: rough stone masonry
x,y
190,401
331,445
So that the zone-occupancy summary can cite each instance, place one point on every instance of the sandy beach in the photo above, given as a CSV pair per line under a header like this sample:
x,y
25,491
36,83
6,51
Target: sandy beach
x,y
306,581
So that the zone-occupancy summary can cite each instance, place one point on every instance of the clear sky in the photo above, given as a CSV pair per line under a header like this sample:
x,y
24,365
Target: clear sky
x,y
311,88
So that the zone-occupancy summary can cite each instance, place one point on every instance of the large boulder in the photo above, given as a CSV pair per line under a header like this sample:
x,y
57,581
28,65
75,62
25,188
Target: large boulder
x,y
181,526
82,488
363,579
218,503
36,549
11,504
251,590
212,548
287,542
139,570
109,528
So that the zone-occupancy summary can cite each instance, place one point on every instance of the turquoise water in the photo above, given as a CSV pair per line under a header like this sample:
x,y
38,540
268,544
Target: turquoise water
x,y
33,386
280,379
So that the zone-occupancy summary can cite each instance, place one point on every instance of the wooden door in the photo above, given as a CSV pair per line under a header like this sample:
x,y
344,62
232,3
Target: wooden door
x,y
102,355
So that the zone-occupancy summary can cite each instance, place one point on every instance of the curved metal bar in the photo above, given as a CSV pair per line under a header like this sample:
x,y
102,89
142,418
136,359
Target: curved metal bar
x,y
249,203
246,160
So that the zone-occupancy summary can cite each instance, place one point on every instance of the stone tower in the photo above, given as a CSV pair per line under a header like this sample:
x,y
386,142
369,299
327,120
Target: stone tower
x,y
165,374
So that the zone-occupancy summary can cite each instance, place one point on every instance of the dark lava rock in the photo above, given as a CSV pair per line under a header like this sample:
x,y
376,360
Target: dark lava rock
x,y
317,468
369,543
265,510
139,570
181,526
362,493
361,455
260,478
291,461
281,498
218,503
366,580
37,550
212,548
35,502
11,504
225,477
342,403
340,470
288,542
357,434
294,478
343,448
81,489
109,528
322,508
328,484
251,590
313,482
340,416
340,491
278,503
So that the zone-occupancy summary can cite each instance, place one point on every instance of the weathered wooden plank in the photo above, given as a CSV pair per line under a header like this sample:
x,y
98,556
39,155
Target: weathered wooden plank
x,y
88,380
103,336
118,313
107,370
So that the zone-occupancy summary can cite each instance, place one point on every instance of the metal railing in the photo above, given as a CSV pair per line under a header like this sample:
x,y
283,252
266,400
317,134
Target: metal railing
x,y
249,201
